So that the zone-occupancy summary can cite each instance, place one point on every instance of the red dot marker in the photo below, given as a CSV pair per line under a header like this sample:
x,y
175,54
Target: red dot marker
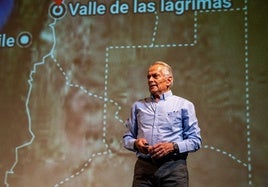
x,y
58,2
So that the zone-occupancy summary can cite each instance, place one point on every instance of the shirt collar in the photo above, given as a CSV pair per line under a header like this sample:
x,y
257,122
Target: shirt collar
x,y
164,95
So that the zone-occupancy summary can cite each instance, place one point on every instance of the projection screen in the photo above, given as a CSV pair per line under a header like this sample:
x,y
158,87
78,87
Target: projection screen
x,y
70,71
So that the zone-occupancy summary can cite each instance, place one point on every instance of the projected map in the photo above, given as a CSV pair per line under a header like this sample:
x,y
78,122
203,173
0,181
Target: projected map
x,y
70,71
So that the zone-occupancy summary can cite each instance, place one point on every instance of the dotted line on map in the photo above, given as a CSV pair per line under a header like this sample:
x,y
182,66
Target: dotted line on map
x,y
220,10
83,169
224,153
155,28
104,129
247,92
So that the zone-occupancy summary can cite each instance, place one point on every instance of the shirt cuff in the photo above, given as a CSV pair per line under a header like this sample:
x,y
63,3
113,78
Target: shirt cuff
x,y
182,147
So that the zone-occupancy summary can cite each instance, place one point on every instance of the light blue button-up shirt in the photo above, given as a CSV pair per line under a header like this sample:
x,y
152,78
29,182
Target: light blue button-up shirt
x,y
171,119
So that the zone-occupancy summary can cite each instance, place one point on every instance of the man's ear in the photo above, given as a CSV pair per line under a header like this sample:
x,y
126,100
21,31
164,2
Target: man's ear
x,y
169,80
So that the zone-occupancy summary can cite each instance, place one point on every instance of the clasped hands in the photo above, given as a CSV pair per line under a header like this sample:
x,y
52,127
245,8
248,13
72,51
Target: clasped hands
x,y
156,151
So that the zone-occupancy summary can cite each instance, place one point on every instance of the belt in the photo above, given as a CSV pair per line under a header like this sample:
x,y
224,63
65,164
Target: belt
x,y
170,157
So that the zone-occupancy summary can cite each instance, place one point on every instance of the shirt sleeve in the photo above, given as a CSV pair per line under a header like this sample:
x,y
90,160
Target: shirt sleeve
x,y
130,135
191,131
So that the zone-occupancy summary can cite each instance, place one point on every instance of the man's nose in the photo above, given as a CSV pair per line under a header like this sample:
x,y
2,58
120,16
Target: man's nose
x,y
150,78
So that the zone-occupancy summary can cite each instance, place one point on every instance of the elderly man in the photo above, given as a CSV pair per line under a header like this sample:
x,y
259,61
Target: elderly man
x,y
161,129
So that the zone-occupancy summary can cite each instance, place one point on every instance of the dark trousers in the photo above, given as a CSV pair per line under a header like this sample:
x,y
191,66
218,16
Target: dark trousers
x,y
172,173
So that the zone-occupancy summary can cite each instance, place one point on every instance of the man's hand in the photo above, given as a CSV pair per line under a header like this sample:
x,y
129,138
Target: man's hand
x,y
160,150
141,145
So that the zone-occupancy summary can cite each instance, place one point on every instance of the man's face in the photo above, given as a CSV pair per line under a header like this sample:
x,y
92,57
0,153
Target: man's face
x,y
157,81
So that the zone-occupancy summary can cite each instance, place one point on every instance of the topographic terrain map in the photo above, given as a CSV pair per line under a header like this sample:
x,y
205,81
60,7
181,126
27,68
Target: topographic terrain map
x,y
70,71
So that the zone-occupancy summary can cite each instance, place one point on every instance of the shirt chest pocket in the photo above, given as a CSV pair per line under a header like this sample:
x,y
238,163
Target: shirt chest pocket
x,y
175,120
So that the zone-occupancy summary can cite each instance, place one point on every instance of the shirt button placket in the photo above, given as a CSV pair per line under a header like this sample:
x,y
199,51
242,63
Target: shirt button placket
x,y
154,135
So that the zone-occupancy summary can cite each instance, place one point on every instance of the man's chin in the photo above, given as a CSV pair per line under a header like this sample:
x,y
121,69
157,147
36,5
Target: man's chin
x,y
154,92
